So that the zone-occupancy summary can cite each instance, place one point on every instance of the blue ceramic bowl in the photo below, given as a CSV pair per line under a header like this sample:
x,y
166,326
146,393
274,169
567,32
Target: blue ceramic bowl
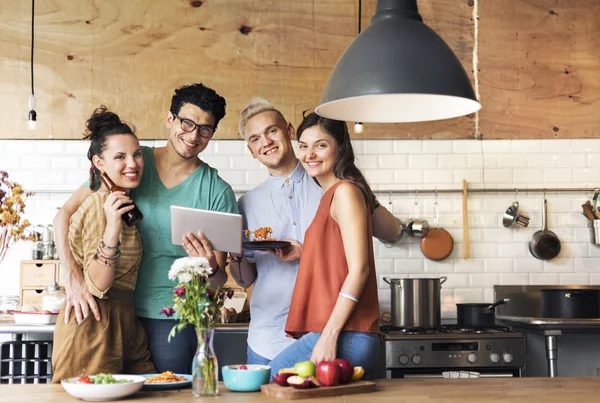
x,y
246,380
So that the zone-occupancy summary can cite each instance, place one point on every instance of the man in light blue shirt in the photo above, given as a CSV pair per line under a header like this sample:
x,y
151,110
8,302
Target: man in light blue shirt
x,y
287,202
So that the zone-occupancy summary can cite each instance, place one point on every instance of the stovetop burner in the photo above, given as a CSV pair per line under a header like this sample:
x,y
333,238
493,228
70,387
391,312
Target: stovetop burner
x,y
445,329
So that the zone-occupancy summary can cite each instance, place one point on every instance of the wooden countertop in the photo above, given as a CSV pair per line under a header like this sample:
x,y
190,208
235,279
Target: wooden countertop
x,y
499,390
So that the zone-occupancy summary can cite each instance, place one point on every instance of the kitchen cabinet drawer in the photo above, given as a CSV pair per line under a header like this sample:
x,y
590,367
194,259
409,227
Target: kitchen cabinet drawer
x,y
32,297
38,273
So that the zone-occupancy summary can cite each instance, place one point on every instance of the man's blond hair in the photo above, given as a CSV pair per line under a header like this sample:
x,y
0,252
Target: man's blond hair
x,y
255,107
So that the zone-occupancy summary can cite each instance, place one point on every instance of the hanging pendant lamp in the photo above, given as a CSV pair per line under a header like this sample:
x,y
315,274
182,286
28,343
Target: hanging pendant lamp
x,y
32,115
397,70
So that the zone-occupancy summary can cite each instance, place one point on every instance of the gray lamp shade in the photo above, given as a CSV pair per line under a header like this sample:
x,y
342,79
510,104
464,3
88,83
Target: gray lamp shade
x,y
397,70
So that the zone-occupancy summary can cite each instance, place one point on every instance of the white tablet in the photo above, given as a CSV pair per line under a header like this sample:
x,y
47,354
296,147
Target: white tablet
x,y
223,230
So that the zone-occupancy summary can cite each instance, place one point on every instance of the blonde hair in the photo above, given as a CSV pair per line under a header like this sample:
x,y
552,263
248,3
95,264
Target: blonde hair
x,y
255,107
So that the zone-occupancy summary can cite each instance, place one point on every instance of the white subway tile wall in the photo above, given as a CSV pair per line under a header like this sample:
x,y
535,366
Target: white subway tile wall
x,y
499,255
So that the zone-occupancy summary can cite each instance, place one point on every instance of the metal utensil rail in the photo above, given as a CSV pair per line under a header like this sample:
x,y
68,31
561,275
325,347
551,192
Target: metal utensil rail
x,y
420,191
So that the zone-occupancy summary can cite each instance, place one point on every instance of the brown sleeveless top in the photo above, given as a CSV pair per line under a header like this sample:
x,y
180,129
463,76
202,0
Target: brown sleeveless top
x,y
322,271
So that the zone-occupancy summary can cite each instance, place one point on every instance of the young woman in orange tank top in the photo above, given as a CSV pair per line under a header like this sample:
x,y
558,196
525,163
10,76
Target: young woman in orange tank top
x,y
334,308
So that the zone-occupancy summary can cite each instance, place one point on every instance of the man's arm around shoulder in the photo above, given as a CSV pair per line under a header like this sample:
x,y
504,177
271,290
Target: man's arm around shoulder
x,y
79,297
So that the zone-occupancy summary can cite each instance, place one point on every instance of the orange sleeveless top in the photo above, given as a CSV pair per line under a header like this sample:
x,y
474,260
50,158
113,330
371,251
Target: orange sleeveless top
x,y
322,271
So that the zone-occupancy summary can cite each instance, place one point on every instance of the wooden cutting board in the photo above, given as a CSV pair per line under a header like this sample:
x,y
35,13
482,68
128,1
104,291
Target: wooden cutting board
x,y
291,393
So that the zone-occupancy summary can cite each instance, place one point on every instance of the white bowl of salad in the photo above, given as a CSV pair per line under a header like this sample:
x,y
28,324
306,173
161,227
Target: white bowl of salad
x,y
103,387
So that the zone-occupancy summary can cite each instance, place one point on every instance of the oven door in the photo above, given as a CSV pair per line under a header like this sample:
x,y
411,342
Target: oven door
x,y
434,373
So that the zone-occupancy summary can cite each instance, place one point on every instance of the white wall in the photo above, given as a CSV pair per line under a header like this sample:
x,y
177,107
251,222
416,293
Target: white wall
x,y
498,255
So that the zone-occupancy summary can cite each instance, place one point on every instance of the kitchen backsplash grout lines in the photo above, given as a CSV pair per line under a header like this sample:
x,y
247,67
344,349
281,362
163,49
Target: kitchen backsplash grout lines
x,y
499,255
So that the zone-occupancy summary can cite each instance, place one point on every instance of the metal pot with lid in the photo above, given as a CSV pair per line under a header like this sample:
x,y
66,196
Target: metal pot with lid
x,y
477,315
416,302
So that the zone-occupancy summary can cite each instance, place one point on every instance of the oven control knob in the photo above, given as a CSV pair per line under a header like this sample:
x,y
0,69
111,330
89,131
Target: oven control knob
x,y
495,357
507,357
403,359
417,359
472,358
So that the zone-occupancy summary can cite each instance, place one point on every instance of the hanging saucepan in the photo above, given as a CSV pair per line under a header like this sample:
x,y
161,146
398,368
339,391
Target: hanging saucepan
x,y
471,316
544,244
438,243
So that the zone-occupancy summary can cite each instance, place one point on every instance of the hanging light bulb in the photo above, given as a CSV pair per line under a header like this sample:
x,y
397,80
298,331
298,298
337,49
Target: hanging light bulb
x,y
31,121
32,118
358,128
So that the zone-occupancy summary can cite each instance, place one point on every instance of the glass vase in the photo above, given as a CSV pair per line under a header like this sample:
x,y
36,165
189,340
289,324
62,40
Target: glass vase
x,y
205,370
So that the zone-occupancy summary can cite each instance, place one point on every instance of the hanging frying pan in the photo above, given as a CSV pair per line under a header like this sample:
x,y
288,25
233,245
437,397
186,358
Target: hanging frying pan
x,y
438,243
544,244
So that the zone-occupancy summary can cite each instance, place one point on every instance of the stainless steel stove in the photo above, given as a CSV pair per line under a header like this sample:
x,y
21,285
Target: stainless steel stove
x,y
491,352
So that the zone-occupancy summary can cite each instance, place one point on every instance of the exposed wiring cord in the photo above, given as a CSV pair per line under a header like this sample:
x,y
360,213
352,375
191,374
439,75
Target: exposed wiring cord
x,y
32,31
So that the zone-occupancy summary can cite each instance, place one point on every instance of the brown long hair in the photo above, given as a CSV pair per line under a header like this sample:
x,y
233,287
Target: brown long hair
x,y
344,167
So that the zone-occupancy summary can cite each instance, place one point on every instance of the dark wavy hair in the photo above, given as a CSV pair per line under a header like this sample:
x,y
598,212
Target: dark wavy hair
x,y
98,127
344,167
203,97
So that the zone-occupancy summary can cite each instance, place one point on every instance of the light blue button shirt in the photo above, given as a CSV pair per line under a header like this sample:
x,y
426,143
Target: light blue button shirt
x,y
288,206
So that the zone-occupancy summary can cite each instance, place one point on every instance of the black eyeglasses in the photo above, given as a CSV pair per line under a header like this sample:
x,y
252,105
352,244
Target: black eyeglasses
x,y
189,126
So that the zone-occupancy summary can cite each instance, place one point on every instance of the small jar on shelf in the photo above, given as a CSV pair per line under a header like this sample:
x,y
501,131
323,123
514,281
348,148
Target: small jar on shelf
x,y
54,299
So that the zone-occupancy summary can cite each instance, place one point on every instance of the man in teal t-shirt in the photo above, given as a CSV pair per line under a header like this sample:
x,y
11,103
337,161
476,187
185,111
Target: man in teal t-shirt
x,y
202,189
173,175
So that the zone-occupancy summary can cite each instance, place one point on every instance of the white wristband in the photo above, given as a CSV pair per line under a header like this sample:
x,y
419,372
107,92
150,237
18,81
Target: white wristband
x,y
346,295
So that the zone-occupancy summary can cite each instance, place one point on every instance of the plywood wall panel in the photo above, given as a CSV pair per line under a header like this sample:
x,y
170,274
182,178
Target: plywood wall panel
x,y
539,62
131,55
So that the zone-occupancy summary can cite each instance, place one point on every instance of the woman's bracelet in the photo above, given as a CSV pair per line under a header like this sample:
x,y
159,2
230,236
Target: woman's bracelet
x,y
106,247
102,261
100,254
346,295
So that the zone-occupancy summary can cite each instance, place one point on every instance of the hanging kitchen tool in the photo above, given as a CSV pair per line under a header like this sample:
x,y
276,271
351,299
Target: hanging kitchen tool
x,y
438,244
512,216
594,226
465,216
588,211
401,226
544,244
570,303
417,227
478,315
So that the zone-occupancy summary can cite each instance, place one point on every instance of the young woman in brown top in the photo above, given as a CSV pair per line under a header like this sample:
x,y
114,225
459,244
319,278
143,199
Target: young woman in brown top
x,y
109,253
334,308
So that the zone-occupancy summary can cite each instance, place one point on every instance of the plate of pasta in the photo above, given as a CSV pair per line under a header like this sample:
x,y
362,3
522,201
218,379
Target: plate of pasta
x,y
166,380
260,239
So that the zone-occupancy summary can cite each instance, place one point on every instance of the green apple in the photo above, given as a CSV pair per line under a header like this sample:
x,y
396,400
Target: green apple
x,y
305,368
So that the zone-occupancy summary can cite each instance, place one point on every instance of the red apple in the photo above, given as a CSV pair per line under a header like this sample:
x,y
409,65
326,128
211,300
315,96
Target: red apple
x,y
346,370
281,379
328,373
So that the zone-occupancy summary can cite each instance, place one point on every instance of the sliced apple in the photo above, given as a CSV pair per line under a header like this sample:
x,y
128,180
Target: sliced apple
x,y
300,382
287,371
281,379
358,373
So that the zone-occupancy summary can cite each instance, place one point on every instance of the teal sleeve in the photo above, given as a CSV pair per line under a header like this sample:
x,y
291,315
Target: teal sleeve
x,y
226,202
